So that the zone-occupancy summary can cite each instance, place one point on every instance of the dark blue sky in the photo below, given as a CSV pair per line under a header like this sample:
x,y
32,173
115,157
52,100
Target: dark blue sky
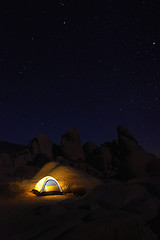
x,y
86,64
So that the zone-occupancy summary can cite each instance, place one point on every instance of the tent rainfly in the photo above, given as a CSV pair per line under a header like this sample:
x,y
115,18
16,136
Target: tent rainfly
x,y
46,186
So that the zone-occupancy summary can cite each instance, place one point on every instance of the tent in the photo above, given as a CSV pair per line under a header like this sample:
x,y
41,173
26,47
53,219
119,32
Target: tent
x,y
46,186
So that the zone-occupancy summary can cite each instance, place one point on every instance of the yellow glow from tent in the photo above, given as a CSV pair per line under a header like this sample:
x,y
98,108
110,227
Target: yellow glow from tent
x,y
39,185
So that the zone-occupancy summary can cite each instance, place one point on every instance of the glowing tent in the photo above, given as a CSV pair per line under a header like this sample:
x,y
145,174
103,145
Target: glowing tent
x,y
47,185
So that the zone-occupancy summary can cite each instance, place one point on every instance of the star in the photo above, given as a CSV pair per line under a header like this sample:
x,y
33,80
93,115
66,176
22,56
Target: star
x,y
42,123
24,67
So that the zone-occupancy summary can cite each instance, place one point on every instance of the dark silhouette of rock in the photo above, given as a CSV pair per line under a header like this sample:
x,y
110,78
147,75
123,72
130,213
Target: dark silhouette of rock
x,y
41,144
11,147
151,183
6,164
25,172
123,131
104,158
89,148
155,225
22,158
147,207
100,159
135,161
56,150
115,195
62,160
40,160
71,145
115,225
13,156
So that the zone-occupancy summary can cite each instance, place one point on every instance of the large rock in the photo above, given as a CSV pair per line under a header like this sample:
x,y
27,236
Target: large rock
x,y
71,180
151,183
122,131
6,164
71,145
89,148
147,207
40,160
100,159
22,158
25,172
41,144
116,195
135,161
116,225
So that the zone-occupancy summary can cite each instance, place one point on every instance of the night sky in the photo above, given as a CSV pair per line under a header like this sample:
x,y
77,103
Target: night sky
x,y
93,65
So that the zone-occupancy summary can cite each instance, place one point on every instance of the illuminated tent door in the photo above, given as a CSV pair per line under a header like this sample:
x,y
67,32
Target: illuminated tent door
x,y
51,186
47,185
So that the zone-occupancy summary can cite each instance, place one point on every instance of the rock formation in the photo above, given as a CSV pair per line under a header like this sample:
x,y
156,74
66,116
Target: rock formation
x,y
100,159
71,145
89,148
6,164
41,144
135,161
22,158
119,181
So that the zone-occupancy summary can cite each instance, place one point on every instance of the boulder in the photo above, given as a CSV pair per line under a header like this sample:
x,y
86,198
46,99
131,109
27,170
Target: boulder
x,y
147,207
154,224
40,160
71,145
135,161
22,158
148,234
62,160
123,131
151,183
6,164
25,172
70,179
89,148
116,225
41,144
100,159
116,195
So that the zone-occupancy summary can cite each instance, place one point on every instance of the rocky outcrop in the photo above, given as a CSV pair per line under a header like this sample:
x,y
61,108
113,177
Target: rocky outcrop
x,y
122,158
116,195
22,158
135,161
6,164
41,144
100,159
71,145
123,131
105,159
89,148
25,172
115,225
39,160
71,180
97,203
